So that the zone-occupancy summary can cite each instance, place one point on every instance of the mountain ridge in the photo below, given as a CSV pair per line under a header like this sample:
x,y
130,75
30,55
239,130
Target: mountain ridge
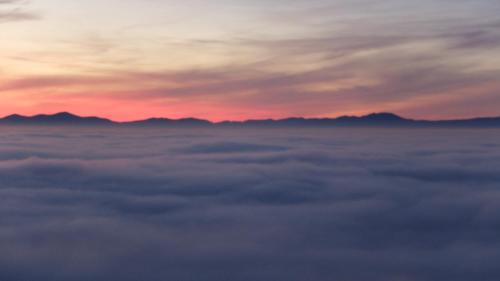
x,y
381,119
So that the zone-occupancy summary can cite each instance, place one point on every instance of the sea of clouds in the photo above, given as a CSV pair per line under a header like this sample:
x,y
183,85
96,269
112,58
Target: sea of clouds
x,y
249,204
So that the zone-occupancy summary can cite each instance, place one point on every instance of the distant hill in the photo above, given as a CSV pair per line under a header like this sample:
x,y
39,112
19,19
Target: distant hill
x,y
169,122
63,118
371,120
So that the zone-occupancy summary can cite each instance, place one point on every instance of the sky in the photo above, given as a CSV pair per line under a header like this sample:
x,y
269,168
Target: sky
x,y
247,59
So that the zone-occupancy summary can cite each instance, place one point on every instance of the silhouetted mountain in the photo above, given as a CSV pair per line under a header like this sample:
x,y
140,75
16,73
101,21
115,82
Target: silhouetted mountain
x,y
371,120
63,118
374,119
475,122
169,122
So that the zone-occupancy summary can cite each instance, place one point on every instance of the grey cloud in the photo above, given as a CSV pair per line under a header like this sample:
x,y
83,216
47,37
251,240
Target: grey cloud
x,y
8,1
13,10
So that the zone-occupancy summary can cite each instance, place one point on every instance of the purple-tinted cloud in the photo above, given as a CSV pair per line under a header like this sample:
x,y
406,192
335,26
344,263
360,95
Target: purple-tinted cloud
x,y
122,204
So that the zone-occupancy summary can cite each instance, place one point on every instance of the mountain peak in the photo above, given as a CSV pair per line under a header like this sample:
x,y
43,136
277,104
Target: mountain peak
x,y
15,117
60,116
383,116
65,114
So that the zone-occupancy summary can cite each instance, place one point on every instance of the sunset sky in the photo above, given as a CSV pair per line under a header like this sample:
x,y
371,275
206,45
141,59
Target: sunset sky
x,y
242,59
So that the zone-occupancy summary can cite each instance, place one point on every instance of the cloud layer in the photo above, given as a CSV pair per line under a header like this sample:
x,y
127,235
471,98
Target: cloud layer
x,y
229,204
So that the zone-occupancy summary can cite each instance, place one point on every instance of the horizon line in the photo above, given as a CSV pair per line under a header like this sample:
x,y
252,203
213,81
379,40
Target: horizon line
x,y
246,120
